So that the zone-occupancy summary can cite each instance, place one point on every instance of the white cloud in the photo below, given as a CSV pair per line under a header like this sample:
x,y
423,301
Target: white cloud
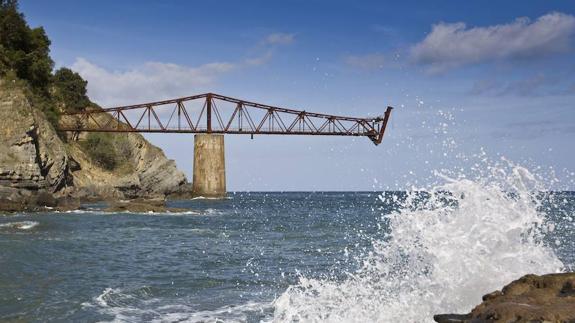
x,y
279,39
263,59
368,62
151,81
452,45
148,82
154,81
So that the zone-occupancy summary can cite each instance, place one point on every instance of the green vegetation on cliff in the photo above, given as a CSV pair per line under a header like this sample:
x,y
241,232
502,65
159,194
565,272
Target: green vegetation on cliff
x,y
25,61
111,152
69,89
24,51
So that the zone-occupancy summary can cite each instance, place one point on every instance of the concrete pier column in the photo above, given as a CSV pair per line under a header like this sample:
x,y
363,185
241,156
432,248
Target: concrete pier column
x,y
209,166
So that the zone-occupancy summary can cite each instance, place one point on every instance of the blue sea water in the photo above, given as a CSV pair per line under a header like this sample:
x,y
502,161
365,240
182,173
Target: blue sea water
x,y
243,259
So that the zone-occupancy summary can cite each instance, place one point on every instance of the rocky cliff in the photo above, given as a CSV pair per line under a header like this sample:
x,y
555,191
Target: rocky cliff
x,y
143,170
31,154
33,158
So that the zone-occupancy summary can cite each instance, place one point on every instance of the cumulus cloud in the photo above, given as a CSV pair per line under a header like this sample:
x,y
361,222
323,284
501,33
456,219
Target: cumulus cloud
x,y
368,62
452,45
156,80
150,81
279,39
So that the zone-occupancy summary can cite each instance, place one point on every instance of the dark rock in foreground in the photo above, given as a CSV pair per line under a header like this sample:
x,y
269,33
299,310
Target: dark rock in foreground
x,y
532,298
452,318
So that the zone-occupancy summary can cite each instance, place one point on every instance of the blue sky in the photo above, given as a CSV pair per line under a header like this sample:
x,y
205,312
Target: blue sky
x,y
463,76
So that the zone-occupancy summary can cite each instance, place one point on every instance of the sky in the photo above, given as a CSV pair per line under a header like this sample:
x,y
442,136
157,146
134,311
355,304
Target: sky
x,y
465,78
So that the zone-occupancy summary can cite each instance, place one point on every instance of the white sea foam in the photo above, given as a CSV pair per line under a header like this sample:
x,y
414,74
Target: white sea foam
x,y
136,306
469,238
100,211
211,198
20,225
228,314
160,213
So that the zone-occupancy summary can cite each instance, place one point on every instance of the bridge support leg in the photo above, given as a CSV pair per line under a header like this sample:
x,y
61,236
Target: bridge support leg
x,y
209,166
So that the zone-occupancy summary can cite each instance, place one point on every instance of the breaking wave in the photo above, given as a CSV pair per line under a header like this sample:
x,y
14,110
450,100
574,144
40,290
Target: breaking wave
x,y
446,247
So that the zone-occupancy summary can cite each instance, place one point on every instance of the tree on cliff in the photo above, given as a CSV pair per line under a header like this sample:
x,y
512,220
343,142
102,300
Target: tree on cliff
x,y
24,51
70,90
25,57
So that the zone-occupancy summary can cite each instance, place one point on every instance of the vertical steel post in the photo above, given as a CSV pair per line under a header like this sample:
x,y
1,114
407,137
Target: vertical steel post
x,y
209,112
179,115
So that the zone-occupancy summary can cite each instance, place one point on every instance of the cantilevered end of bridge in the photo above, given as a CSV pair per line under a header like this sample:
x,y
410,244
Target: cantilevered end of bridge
x,y
209,116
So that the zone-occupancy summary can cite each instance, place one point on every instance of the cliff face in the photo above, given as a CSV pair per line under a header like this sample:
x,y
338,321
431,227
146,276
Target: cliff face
x,y
31,154
33,158
144,171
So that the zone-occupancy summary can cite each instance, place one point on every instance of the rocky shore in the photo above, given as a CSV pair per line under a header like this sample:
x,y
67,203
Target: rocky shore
x,y
18,200
531,298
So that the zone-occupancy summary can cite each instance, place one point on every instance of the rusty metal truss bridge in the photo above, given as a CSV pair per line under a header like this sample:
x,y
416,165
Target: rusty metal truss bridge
x,y
218,114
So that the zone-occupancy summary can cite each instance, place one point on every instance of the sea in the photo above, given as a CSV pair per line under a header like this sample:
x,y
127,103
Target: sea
x,y
380,256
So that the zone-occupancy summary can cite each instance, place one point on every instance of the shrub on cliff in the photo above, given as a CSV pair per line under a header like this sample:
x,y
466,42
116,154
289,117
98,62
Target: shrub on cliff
x,y
99,147
109,151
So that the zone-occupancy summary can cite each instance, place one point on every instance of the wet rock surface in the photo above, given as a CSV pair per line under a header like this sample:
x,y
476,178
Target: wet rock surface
x,y
532,298
21,200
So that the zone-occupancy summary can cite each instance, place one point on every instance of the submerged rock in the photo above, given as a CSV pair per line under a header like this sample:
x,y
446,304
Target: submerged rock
x,y
531,298
141,206
68,203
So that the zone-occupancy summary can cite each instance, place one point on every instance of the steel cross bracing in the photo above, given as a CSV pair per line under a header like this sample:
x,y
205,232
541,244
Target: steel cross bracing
x,y
218,114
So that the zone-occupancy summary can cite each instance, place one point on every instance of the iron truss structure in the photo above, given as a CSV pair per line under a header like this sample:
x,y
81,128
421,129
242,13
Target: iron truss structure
x,y
218,114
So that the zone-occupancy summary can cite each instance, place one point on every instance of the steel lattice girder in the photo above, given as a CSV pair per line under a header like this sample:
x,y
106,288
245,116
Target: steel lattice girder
x,y
246,117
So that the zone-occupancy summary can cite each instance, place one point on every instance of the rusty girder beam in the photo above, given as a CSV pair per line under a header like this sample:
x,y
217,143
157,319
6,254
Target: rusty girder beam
x,y
243,117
